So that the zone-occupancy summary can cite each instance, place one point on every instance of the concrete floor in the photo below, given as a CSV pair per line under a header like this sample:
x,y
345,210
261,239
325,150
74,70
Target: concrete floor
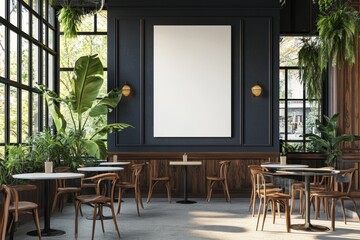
x,y
214,220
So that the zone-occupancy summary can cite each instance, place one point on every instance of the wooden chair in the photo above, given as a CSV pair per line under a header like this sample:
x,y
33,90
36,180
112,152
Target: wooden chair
x,y
86,182
135,184
267,197
5,192
270,187
154,178
98,200
344,181
62,189
17,207
222,178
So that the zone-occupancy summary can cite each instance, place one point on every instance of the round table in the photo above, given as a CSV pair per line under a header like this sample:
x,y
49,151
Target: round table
x,y
277,166
307,173
114,163
47,177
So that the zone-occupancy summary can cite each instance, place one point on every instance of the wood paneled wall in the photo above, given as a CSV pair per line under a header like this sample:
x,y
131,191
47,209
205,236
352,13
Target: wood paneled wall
x,y
239,177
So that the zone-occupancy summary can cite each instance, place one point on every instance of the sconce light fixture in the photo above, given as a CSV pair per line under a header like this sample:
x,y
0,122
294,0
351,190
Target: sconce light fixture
x,y
126,90
256,90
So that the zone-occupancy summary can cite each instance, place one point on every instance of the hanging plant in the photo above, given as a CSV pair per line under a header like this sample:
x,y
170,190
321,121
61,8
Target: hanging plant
x,y
70,18
310,70
338,33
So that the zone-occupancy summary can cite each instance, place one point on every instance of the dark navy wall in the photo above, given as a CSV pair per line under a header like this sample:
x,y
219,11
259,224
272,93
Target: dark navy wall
x,y
255,58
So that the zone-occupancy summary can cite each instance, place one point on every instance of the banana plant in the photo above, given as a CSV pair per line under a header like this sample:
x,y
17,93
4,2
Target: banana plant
x,y
329,142
83,103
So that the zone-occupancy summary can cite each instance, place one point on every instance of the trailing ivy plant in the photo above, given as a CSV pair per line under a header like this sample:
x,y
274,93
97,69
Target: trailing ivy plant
x,y
338,33
310,70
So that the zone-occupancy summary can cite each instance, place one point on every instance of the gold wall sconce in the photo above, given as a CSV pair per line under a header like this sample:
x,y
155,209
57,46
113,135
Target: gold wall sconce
x,y
126,90
256,89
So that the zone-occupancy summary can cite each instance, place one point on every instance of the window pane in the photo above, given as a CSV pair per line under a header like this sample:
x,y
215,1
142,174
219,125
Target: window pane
x,y
35,65
65,86
27,2
2,113
103,89
2,9
35,27
51,18
295,88
295,120
282,122
102,21
35,111
313,113
51,75
13,115
24,115
289,49
51,38
87,23
44,112
13,56
72,49
25,20
25,62
36,5
2,51
282,84
44,40
44,68
13,9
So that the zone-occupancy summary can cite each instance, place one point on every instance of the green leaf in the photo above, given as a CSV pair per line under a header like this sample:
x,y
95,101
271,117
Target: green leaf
x,y
86,83
114,127
111,100
96,149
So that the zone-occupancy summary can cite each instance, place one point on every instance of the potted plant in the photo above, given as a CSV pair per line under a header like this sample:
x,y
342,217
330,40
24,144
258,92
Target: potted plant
x,y
83,104
329,142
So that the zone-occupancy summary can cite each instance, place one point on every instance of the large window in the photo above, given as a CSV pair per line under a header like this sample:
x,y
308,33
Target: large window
x,y
297,112
91,39
27,58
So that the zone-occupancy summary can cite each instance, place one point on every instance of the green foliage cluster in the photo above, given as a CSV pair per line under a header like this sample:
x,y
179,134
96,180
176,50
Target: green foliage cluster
x,y
329,142
70,18
83,103
310,70
337,26
30,157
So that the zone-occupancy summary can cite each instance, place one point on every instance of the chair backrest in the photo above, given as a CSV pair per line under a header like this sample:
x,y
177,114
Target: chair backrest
x,y
61,183
224,169
98,179
344,179
136,172
4,209
154,169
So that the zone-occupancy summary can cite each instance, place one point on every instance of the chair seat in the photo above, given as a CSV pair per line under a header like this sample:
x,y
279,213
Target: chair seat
x,y
161,178
329,194
69,189
23,206
279,196
215,178
125,185
92,198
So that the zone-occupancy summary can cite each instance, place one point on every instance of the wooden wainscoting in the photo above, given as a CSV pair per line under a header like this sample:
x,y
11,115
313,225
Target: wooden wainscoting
x,y
239,177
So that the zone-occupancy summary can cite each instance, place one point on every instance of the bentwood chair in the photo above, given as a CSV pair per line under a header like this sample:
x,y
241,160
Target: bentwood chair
x,y
270,187
344,183
222,178
267,197
155,178
17,207
98,201
134,184
62,189
4,209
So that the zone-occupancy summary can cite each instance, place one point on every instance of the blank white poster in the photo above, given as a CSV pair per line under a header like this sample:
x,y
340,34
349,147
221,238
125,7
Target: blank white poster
x,y
192,81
